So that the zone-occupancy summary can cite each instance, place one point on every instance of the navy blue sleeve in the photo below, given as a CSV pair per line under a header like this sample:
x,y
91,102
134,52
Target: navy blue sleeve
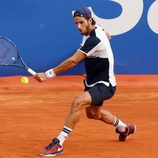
x,y
90,44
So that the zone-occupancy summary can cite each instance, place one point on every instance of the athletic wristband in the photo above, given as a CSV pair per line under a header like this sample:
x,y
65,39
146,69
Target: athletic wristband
x,y
50,73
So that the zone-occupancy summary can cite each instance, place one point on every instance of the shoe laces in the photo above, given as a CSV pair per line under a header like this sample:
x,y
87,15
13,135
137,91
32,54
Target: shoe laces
x,y
54,142
123,133
50,146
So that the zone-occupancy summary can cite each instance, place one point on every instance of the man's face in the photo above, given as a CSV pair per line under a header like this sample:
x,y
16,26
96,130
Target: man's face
x,y
83,25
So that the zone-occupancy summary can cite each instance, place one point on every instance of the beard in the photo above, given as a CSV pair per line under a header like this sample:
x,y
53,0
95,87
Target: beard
x,y
87,30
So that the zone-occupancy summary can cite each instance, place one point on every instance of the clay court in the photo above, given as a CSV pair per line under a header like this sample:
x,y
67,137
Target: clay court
x,y
30,116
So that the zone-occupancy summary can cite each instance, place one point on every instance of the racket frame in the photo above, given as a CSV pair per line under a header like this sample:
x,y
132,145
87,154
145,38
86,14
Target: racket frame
x,y
24,66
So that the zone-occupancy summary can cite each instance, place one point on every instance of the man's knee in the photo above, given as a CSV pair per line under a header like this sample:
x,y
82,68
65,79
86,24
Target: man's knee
x,y
80,101
77,103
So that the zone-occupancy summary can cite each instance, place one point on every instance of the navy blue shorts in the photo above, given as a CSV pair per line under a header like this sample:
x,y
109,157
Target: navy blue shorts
x,y
100,92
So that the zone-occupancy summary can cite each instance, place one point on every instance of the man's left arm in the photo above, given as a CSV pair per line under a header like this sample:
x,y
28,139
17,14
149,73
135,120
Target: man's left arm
x,y
108,36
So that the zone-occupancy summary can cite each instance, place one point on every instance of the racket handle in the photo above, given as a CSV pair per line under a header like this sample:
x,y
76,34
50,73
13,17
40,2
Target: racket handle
x,y
32,72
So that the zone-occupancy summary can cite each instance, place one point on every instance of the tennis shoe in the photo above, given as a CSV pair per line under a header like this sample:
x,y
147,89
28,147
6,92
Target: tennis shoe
x,y
123,136
52,149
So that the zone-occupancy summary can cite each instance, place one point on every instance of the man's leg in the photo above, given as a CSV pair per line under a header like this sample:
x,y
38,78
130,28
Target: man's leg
x,y
96,112
124,130
56,147
80,102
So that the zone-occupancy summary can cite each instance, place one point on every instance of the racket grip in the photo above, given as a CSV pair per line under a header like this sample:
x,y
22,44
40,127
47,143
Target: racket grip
x,y
32,72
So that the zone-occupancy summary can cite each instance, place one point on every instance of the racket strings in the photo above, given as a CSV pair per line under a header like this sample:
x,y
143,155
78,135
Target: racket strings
x,y
8,53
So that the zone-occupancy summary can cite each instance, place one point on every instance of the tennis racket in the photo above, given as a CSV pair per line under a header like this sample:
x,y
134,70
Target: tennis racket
x,y
10,56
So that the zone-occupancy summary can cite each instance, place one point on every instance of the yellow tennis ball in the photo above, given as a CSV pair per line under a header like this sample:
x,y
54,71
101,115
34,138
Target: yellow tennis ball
x,y
24,80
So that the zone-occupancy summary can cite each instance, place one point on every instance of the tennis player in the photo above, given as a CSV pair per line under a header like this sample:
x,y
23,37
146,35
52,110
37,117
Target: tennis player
x,y
100,83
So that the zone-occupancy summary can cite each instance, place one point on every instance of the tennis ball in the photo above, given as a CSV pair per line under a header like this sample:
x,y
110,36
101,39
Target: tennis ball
x,y
24,80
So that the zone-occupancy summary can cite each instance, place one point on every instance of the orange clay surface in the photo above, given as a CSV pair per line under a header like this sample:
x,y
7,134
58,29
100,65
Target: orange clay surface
x,y
31,115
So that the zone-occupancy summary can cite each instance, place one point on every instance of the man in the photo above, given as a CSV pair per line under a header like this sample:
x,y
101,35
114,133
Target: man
x,y
100,83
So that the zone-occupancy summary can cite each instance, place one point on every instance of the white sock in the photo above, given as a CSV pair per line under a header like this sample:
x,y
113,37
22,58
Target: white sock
x,y
64,134
120,125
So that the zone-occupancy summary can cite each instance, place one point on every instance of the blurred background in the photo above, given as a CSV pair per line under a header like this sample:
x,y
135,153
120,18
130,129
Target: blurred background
x,y
45,33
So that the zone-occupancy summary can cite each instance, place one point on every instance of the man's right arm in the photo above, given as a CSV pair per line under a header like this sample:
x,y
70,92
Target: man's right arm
x,y
64,66
70,62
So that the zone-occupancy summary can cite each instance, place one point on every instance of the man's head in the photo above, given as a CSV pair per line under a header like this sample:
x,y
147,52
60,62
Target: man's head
x,y
84,21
